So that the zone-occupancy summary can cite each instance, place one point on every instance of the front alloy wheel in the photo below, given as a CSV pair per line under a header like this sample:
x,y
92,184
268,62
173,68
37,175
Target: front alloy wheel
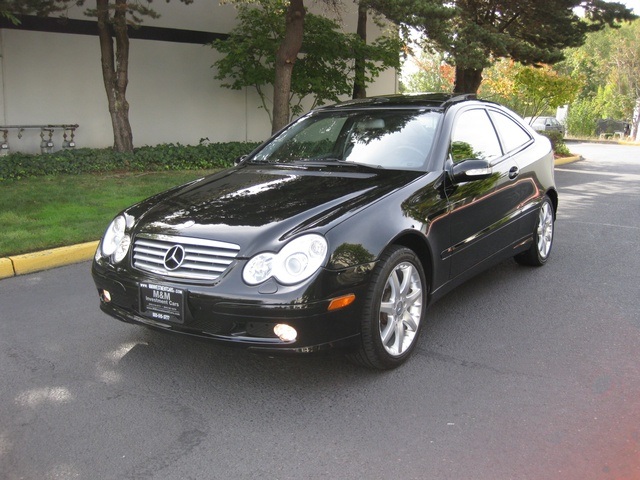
x,y
394,311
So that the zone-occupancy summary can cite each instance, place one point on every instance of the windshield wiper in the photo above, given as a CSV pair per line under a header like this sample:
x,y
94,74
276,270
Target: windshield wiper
x,y
334,161
331,159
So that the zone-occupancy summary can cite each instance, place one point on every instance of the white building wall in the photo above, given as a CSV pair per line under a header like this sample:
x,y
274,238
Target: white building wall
x,y
53,79
56,78
173,97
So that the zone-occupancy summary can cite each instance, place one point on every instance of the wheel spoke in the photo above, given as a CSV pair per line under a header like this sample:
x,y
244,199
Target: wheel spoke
x,y
388,308
387,332
413,297
399,338
410,322
394,285
407,271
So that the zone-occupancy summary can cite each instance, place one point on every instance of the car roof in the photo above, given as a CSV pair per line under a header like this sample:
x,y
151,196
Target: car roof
x,y
418,100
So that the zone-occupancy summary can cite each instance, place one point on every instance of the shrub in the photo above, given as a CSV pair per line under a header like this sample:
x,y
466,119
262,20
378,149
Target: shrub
x,y
557,142
89,160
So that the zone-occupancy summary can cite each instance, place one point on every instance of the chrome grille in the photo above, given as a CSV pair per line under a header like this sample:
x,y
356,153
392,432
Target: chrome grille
x,y
203,259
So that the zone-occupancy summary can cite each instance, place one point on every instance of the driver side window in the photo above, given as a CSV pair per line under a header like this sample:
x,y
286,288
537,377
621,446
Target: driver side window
x,y
474,137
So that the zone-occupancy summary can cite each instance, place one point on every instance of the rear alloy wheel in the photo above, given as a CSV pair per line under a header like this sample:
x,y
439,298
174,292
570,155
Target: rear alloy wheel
x,y
394,311
540,249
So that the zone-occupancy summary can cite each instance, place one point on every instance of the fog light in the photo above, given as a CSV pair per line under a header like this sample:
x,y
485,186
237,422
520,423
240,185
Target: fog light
x,y
285,333
105,296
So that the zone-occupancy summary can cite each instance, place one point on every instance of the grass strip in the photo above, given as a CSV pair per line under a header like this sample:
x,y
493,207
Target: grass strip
x,y
55,211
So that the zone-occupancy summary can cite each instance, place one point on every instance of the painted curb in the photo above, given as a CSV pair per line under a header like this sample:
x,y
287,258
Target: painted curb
x,y
565,160
6,268
57,257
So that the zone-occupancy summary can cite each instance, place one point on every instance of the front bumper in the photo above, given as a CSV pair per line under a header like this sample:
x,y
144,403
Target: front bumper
x,y
214,313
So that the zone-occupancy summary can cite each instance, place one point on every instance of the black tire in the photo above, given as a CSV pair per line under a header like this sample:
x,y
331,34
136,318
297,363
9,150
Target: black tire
x,y
394,310
543,232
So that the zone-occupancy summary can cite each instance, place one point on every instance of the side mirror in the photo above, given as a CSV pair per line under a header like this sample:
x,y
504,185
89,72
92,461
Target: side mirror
x,y
469,170
239,160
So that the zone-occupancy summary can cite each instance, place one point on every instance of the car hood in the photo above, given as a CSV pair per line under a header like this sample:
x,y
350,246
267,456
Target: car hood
x,y
258,206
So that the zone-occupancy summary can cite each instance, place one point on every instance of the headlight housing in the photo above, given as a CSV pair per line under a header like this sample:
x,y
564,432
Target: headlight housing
x,y
297,261
115,240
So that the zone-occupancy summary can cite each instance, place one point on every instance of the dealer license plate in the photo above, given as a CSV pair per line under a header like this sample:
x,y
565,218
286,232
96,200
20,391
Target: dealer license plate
x,y
162,303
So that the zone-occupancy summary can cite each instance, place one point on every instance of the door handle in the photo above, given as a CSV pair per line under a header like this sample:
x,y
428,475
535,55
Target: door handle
x,y
513,172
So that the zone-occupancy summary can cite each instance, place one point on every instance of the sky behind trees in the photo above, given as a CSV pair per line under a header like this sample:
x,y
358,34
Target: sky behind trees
x,y
635,4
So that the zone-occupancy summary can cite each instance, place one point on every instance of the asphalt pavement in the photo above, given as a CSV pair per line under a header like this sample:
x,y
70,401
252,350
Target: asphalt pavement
x,y
521,373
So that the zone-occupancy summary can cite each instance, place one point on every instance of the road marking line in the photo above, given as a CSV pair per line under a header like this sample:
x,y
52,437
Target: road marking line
x,y
630,176
602,224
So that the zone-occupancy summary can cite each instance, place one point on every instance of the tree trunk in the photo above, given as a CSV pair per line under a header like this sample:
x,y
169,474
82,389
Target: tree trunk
x,y
285,59
359,85
635,121
468,80
115,70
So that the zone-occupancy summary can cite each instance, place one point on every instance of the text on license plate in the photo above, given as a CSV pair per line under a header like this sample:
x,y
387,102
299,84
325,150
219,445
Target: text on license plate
x,y
162,302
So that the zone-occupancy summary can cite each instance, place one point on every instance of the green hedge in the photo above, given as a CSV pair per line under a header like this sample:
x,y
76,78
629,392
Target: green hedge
x,y
88,160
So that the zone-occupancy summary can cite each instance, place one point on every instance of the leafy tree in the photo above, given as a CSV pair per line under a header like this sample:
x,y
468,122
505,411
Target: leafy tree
x,y
433,75
589,61
543,89
609,63
582,118
626,74
528,90
474,33
25,7
10,8
323,71
499,84
114,17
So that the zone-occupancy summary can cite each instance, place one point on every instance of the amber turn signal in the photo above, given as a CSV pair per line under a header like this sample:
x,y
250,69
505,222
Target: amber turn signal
x,y
341,302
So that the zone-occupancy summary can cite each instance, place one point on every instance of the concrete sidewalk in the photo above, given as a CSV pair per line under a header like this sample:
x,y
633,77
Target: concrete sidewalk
x,y
58,257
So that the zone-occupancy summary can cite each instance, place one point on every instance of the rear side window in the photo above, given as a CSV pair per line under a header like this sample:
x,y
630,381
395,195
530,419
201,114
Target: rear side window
x,y
513,136
474,137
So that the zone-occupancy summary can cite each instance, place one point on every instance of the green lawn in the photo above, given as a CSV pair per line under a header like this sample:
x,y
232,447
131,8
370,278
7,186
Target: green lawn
x,y
47,212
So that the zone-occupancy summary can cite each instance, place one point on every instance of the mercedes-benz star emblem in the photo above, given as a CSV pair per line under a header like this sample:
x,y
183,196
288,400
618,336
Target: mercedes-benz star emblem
x,y
174,257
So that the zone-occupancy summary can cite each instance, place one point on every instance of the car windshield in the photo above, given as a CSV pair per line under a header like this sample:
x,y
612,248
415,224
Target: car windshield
x,y
390,139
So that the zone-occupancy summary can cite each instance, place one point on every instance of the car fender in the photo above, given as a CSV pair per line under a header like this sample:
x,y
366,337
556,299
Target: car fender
x,y
414,216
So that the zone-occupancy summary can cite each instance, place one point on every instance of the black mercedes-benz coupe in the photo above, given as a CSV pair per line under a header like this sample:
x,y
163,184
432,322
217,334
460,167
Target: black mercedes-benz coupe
x,y
339,231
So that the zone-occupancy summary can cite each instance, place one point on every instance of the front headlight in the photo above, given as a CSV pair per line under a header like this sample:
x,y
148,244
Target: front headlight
x,y
115,240
297,261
